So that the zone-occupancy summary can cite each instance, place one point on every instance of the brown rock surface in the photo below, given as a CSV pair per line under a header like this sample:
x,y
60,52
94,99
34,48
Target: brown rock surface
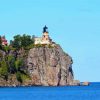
x,y
85,83
46,66
50,66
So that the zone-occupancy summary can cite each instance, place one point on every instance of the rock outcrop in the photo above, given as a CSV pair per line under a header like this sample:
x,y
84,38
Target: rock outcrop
x,y
50,66
85,83
45,65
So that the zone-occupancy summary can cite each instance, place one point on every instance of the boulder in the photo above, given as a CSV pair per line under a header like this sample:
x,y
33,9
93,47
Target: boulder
x,y
85,83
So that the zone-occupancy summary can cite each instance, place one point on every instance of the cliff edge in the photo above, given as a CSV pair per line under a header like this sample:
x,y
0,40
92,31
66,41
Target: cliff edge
x,y
50,66
43,65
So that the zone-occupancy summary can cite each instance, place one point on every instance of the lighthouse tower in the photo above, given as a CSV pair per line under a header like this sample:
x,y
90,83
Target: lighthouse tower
x,y
45,37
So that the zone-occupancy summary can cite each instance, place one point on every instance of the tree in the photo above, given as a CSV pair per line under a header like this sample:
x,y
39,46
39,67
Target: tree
x,y
0,43
22,41
3,70
18,64
18,76
17,42
11,63
6,48
26,40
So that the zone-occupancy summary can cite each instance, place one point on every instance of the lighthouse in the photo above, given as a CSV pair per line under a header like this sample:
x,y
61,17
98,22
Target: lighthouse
x,y
45,39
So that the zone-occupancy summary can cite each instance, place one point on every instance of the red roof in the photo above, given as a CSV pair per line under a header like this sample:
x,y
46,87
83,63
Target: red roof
x,y
4,41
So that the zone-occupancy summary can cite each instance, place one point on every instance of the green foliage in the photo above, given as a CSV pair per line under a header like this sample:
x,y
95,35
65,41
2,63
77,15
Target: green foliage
x,y
22,41
26,40
1,55
3,69
12,48
11,63
18,76
38,45
0,40
50,46
29,47
10,58
25,77
21,77
0,43
18,64
44,45
11,42
17,42
6,48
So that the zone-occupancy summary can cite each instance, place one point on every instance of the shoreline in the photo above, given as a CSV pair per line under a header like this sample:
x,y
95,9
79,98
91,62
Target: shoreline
x,y
47,86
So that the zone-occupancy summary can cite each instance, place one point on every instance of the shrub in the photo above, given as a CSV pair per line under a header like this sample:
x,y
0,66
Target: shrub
x,y
1,55
50,46
3,70
6,48
11,63
21,77
0,43
18,64
18,76
38,45
29,47
22,41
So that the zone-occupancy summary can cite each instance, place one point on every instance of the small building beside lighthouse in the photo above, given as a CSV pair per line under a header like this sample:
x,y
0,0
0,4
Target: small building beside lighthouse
x,y
45,39
4,41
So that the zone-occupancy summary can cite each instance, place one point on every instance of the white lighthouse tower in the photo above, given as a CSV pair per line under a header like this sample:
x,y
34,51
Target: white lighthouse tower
x,y
45,39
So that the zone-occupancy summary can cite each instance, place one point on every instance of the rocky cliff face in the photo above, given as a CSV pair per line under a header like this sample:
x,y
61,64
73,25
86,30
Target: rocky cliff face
x,y
50,66
45,65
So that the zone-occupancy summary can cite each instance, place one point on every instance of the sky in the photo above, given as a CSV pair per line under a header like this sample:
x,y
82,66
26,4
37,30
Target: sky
x,y
74,24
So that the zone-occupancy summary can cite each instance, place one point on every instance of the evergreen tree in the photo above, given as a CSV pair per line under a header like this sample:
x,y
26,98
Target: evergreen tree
x,y
22,41
0,43
17,42
3,69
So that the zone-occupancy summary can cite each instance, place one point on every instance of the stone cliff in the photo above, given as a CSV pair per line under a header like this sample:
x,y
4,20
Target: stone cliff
x,y
45,65
50,66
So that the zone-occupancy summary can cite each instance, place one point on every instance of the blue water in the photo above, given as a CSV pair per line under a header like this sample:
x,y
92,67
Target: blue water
x,y
91,92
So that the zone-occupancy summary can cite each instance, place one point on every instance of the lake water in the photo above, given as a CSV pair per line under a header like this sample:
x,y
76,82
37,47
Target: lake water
x,y
91,92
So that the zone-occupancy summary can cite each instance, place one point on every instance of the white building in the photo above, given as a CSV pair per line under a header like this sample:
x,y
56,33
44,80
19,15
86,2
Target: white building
x,y
45,39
